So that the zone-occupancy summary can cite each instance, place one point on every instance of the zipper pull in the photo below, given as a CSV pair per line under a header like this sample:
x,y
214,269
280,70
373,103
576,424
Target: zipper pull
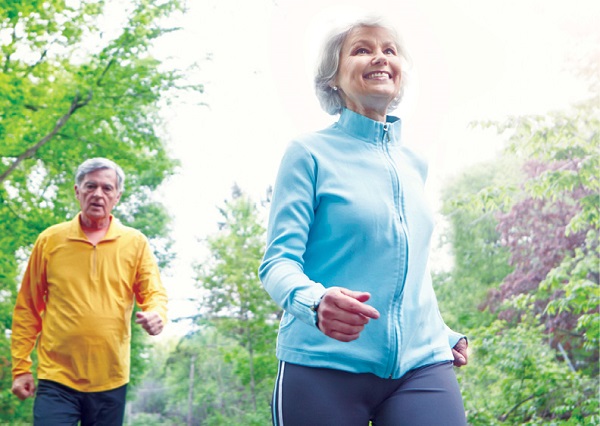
x,y
386,132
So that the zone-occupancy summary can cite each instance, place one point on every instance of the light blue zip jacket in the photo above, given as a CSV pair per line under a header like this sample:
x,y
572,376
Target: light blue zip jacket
x,y
348,210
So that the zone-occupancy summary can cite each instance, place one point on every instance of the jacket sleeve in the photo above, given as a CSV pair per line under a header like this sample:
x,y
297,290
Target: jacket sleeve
x,y
453,336
27,314
149,291
290,219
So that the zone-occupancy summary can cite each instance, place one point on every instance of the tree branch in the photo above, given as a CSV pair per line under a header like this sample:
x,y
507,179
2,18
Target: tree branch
x,y
104,71
503,417
39,61
12,210
13,41
77,103
565,356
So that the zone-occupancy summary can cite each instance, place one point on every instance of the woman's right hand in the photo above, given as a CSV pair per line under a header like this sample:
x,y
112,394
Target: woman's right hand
x,y
342,313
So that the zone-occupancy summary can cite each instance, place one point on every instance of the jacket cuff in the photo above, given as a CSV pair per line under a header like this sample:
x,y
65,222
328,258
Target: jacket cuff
x,y
315,308
454,337
306,307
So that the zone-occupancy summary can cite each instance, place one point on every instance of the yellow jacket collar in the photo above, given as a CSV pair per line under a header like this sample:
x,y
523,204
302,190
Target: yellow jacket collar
x,y
115,229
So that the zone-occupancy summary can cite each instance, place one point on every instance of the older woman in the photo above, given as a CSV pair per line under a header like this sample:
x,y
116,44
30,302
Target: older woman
x,y
361,338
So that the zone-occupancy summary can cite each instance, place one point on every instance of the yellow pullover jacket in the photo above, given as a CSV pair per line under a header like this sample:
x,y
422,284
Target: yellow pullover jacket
x,y
78,299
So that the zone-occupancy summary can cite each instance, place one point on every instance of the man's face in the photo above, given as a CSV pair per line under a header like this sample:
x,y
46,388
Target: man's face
x,y
98,194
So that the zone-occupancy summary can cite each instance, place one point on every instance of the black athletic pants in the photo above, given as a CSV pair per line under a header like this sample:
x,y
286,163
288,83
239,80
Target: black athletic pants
x,y
426,396
59,405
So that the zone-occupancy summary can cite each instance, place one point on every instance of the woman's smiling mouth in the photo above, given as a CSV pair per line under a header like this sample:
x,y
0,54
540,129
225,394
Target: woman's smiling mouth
x,y
378,75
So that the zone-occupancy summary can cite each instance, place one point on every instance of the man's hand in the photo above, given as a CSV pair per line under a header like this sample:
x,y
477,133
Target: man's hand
x,y
342,313
460,353
23,386
150,321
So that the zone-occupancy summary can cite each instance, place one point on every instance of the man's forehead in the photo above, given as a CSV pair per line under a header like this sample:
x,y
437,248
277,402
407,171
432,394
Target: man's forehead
x,y
100,175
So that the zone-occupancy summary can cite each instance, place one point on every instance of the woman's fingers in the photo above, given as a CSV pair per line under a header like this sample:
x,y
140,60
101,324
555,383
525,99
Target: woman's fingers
x,y
342,314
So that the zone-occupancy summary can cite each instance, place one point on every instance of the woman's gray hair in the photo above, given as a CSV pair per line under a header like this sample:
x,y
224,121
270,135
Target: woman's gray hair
x,y
328,66
93,164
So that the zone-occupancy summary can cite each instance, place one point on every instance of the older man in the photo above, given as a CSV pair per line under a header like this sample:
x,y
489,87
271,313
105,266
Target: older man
x,y
77,298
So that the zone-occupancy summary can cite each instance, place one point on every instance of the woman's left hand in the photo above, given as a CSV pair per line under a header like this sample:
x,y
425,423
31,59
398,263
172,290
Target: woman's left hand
x,y
460,353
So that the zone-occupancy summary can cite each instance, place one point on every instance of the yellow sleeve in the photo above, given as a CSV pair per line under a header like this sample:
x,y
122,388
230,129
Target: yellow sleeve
x,y
27,315
150,293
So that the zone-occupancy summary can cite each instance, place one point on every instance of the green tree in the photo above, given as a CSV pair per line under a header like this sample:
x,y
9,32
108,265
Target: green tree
x,y
235,302
204,388
532,365
149,398
73,87
480,263
222,371
516,378
196,382
552,230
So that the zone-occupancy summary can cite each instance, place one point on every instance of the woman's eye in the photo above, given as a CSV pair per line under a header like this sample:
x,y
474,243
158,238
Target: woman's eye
x,y
389,51
361,51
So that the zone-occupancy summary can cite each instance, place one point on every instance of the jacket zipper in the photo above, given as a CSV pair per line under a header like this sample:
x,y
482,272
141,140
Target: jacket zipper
x,y
398,201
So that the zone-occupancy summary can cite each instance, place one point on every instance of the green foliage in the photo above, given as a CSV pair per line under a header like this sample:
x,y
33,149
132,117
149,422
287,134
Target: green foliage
x,y
480,262
192,368
224,370
565,198
574,139
151,419
214,386
526,251
148,398
515,377
9,408
236,303
139,361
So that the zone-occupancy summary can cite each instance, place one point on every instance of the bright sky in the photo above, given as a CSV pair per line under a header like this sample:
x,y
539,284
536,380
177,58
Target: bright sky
x,y
471,59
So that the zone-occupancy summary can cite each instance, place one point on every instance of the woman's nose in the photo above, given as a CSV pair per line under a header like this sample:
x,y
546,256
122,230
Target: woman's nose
x,y
379,58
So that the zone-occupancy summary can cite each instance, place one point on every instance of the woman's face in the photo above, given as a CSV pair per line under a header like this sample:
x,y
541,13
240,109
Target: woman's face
x,y
369,72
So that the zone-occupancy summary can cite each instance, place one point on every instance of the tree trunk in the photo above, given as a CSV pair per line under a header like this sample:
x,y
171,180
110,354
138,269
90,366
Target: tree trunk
x,y
191,391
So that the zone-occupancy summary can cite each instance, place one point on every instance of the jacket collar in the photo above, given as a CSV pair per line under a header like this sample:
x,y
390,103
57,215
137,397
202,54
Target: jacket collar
x,y
115,229
372,131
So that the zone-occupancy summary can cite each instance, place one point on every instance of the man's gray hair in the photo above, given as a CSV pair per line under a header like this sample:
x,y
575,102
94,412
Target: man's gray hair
x,y
93,164
328,66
